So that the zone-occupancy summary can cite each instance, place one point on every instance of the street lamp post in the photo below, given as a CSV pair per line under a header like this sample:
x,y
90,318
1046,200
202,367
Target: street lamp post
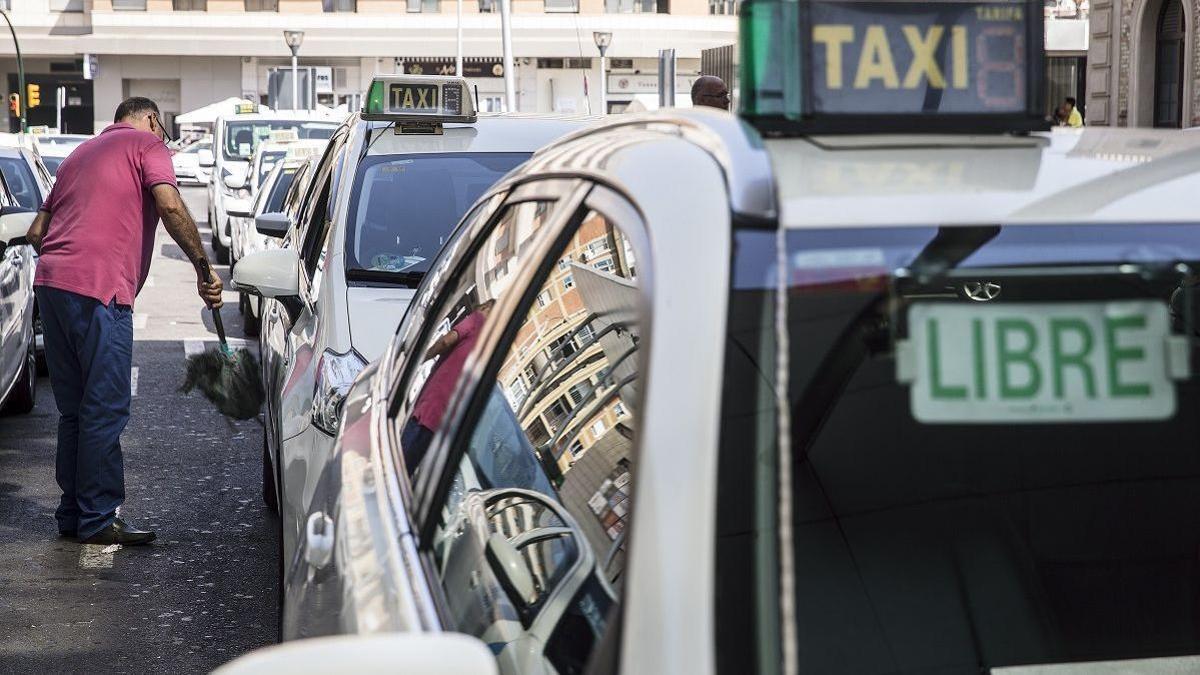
x,y
510,83
20,71
603,40
293,38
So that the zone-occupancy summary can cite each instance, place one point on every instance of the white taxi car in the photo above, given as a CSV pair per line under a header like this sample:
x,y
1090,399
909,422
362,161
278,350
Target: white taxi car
x,y
18,360
270,197
235,137
880,378
282,144
380,203
54,148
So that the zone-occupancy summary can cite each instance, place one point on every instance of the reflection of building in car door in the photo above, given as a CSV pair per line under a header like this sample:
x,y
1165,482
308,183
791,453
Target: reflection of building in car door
x,y
532,543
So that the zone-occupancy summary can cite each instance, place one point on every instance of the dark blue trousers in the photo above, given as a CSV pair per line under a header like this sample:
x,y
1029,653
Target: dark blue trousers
x,y
89,352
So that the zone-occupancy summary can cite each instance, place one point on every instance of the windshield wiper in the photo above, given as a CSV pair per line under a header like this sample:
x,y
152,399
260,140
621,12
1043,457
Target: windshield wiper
x,y
410,279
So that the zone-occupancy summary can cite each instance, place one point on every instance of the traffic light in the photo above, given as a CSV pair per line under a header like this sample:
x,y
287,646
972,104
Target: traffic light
x,y
33,94
14,104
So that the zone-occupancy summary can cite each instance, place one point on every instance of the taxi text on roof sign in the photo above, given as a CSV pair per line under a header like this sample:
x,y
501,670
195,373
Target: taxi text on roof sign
x,y
892,66
419,98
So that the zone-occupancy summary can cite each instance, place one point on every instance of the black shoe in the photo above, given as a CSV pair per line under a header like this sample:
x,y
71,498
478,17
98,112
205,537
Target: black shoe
x,y
120,532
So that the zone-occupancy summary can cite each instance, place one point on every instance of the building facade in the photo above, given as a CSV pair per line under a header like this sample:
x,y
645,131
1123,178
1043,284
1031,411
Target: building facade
x,y
188,53
1143,62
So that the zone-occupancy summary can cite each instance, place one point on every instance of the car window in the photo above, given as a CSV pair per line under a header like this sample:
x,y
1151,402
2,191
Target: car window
x,y
314,223
279,190
52,163
268,161
21,181
530,538
242,138
404,207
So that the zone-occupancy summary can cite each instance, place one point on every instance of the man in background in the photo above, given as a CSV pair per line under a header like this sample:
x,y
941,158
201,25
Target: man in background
x,y
710,91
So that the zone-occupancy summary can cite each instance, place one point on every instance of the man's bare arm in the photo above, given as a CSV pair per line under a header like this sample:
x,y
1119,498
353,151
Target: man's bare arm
x,y
37,231
182,228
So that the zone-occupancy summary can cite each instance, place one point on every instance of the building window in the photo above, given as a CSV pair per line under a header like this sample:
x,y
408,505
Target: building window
x,y
605,265
562,6
568,282
635,6
339,6
130,5
598,428
262,5
564,263
580,391
189,5
424,6
544,298
723,7
487,6
596,247
517,391
619,409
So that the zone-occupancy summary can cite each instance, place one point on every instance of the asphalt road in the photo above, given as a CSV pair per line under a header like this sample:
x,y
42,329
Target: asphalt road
x,y
205,591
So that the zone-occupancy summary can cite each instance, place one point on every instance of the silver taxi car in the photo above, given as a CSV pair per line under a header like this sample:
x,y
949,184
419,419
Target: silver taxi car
x,y
380,203
882,377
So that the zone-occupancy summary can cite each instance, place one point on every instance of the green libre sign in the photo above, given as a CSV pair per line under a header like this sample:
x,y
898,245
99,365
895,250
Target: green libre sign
x,y
1078,362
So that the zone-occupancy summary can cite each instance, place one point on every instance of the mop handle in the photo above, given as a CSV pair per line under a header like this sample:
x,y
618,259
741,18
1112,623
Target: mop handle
x,y
206,272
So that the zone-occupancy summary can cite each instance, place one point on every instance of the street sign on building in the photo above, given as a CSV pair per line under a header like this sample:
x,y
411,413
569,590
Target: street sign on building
x,y
619,83
323,78
91,66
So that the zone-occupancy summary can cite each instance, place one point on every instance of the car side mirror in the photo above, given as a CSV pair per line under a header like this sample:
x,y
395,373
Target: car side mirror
x,y
234,182
269,274
205,158
15,222
410,653
273,224
510,570
240,208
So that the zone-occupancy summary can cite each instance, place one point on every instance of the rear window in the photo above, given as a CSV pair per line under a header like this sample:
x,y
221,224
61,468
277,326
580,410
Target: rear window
x,y
995,455
269,159
405,206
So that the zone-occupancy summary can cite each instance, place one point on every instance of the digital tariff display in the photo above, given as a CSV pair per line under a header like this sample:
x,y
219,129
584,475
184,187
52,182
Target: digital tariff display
x,y
418,98
920,57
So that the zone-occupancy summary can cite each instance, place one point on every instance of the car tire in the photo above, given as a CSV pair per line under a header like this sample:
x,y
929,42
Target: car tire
x,y
250,324
23,396
270,494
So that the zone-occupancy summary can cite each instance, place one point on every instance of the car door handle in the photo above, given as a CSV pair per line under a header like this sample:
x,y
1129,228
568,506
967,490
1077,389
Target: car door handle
x,y
318,548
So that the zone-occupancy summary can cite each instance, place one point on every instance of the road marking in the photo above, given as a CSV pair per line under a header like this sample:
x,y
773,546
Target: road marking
x,y
139,320
97,556
133,379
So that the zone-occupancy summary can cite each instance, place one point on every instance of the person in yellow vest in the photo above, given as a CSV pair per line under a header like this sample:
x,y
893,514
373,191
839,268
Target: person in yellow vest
x,y
1074,118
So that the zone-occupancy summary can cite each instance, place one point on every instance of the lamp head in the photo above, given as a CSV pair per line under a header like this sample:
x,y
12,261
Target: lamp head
x,y
293,38
603,40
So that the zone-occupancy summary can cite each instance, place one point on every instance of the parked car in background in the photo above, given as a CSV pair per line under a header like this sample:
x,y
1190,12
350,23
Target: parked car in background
x,y
18,350
270,198
28,183
187,163
54,148
235,137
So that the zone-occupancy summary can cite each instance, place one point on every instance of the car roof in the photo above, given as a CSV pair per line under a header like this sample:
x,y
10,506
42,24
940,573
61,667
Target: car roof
x,y
10,140
282,116
1097,174
502,132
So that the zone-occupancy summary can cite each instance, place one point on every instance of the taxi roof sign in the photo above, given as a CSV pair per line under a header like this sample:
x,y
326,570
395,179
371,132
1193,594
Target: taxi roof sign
x,y
245,108
284,136
419,98
892,66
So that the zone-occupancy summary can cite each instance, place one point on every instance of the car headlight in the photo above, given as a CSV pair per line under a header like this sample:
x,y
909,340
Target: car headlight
x,y
335,374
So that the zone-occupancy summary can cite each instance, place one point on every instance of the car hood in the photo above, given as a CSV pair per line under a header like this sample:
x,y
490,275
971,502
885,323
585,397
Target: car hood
x,y
374,315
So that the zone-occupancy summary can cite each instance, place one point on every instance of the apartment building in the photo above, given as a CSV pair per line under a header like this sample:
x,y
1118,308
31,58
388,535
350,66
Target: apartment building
x,y
188,53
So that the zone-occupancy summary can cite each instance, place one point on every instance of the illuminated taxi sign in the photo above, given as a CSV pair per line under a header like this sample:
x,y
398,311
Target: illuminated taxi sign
x,y
245,108
419,99
821,66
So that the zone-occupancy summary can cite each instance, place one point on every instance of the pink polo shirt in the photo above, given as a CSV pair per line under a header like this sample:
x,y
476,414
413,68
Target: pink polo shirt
x,y
102,215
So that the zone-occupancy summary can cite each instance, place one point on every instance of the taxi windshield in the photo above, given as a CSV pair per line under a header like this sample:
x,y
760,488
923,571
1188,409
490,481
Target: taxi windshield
x,y
266,164
241,138
405,207
995,455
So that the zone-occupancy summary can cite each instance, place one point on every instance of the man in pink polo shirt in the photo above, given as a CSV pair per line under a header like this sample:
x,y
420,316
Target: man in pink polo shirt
x,y
95,238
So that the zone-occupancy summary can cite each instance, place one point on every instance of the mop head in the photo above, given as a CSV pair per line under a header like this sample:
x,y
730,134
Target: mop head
x,y
230,378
